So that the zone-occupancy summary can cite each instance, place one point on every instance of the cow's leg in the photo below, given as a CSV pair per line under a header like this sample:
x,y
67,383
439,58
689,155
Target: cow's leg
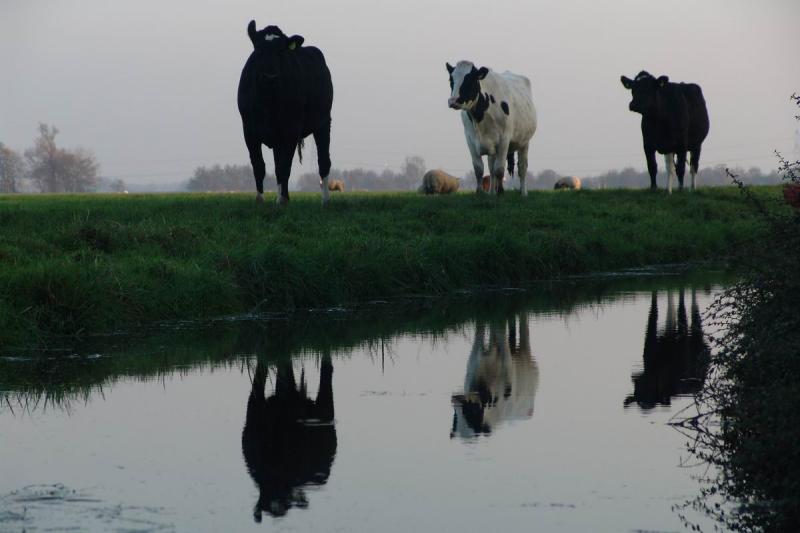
x,y
497,166
283,155
669,161
257,162
671,322
477,167
522,168
322,138
652,167
492,180
524,334
681,168
694,164
324,401
323,185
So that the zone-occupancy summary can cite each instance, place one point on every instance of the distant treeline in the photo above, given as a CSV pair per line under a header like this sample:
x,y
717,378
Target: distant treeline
x,y
240,178
45,167
227,178
359,179
630,178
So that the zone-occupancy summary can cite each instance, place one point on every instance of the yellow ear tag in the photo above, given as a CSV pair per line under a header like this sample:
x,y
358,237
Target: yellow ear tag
x,y
292,46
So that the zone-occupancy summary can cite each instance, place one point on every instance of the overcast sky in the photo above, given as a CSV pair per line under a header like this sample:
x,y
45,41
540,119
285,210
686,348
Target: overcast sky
x,y
150,86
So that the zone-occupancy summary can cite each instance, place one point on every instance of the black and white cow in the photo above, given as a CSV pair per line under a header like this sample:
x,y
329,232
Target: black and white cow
x,y
285,95
674,120
499,119
501,379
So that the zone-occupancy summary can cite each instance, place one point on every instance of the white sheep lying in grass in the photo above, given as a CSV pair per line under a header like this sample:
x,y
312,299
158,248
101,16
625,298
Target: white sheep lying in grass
x,y
569,182
336,185
438,182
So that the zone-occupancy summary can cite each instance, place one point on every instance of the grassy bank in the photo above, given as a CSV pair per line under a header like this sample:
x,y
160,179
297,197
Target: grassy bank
x,y
74,265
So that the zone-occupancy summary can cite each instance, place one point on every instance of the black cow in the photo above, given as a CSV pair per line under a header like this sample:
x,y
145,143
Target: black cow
x,y
675,360
285,95
288,440
674,120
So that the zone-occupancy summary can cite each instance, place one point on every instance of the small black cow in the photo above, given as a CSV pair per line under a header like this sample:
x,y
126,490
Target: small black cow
x,y
674,120
285,95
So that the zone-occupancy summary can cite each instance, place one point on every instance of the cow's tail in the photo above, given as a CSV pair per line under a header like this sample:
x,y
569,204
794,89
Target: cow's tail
x,y
300,144
510,163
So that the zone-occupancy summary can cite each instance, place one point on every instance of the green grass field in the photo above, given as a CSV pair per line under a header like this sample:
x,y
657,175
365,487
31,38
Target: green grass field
x,y
84,264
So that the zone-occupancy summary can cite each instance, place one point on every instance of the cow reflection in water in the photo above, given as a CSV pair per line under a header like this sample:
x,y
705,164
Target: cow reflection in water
x,y
675,359
288,440
501,380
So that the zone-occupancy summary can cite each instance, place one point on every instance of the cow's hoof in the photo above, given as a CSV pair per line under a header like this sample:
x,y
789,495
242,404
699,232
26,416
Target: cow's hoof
x,y
259,198
282,200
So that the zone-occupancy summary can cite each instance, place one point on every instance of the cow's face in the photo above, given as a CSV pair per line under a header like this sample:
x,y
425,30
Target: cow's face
x,y
469,413
644,89
464,84
272,48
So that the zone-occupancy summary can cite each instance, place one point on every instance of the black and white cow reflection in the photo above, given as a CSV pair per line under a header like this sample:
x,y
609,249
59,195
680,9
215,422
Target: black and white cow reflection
x,y
501,380
675,359
288,440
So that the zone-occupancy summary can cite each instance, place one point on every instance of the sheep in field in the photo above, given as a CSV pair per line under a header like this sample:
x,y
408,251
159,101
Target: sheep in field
x,y
336,185
570,182
438,182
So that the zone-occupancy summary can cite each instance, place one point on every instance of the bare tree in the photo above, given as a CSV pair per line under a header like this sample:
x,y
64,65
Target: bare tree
x,y
118,185
54,169
12,169
413,170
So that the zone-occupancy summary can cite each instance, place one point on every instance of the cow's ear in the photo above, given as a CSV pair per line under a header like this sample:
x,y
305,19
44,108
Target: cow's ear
x,y
295,41
662,81
450,68
482,72
251,31
626,82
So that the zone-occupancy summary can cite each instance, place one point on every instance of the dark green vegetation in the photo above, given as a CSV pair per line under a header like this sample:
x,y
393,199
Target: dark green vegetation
x,y
755,395
78,265
748,421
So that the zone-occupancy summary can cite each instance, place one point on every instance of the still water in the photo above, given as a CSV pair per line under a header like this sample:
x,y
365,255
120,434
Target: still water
x,y
543,410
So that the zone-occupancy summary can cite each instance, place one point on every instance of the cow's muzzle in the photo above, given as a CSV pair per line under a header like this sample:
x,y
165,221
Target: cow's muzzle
x,y
453,103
